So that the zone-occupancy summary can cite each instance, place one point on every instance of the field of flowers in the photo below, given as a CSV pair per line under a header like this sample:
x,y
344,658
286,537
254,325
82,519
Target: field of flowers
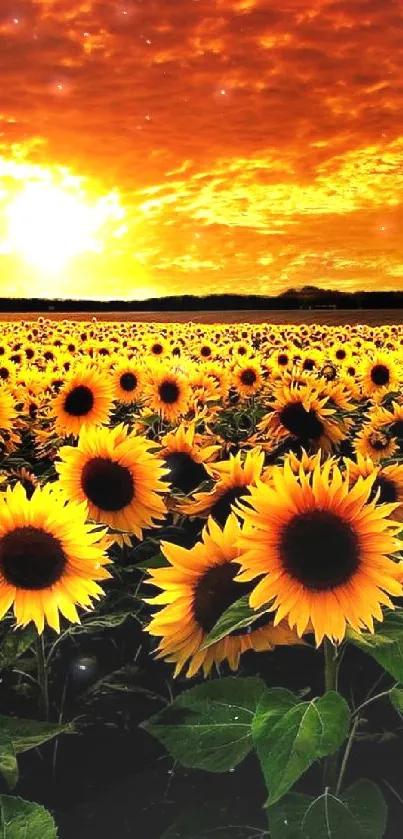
x,y
191,496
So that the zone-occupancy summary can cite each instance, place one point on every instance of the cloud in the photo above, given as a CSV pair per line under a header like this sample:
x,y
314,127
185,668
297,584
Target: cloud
x,y
249,141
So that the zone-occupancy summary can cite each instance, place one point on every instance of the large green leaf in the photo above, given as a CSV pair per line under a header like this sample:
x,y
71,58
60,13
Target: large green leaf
x,y
360,813
237,616
273,703
14,644
21,819
210,726
305,732
287,816
28,734
8,761
386,644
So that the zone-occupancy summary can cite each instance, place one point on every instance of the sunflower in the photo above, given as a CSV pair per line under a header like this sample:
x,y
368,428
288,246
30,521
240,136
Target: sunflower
x,y
157,347
233,478
281,359
388,484
117,476
185,454
84,402
375,442
205,350
7,409
340,352
321,551
128,380
302,414
390,420
50,558
247,378
196,588
379,374
241,350
167,392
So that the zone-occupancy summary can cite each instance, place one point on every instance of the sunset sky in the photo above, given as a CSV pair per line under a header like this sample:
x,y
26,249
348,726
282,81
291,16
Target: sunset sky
x,y
196,146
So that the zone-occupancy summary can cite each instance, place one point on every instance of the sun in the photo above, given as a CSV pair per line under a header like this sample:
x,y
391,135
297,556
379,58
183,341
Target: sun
x,y
48,224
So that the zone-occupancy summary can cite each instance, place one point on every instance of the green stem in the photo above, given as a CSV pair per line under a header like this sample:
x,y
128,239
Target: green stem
x,y
374,699
331,762
330,665
346,755
42,675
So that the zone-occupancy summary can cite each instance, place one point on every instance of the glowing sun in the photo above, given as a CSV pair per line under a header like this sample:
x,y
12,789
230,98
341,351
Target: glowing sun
x,y
48,225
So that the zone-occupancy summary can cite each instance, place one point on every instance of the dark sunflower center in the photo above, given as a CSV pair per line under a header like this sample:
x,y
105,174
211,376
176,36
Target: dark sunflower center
x,y
4,373
184,472
308,364
388,490
157,349
378,441
31,559
380,375
282,359
205,352
215,592
128,381
79,401
248,377
320,550
340,354
107,484
222,507
329,372
169,392
303,424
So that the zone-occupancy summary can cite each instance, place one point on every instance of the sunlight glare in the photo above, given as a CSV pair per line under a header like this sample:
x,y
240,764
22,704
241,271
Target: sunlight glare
x,y
48,225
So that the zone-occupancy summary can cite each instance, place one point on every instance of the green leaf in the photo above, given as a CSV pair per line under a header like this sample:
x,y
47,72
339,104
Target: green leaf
x,y
385,645
360,813
14,644
209,823
100,622
335,719
156,561
273,703
210,726
8,761
21,819
286,817
396,698
28,734
305,732
237,616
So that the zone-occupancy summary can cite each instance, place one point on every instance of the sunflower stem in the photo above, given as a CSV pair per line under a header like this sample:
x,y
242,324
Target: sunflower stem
x,y
331,762
42,676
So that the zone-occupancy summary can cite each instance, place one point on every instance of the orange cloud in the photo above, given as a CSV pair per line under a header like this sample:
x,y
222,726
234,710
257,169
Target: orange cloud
x,y
250,145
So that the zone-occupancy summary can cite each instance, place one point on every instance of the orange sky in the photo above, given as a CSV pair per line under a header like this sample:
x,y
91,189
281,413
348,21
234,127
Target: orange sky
x,y
229,145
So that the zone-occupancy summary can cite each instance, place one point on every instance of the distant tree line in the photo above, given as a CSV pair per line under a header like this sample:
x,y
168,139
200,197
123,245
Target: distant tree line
x,y
303,298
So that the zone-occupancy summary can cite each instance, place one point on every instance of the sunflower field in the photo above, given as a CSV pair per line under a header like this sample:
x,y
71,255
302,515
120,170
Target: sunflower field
x,y
201,563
